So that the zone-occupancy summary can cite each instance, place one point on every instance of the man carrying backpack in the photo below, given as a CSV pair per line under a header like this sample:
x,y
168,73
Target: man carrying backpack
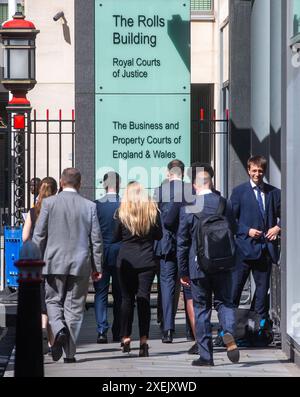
x,y
205,253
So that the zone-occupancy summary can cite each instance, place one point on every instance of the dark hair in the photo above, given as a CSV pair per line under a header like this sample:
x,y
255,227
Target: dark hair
x,y
71,177
35,180
259,161
176,167
196,167
34,185
111,180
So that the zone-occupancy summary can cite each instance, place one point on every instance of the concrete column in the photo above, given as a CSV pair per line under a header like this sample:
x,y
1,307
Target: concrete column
x,y
240,90
275,94
260,77
85,94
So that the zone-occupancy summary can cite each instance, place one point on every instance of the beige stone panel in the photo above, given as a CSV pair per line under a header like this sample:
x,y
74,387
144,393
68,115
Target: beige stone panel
x,y
203,52
52,97
55,42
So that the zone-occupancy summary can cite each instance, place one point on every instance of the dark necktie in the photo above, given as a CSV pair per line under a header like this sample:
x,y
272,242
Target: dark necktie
x,y
260,201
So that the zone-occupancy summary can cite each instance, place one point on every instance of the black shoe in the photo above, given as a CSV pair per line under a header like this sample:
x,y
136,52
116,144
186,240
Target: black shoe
x,y
193,349
232,350
218,342
144,350
69,360
189,336
60,340
45,341
102,338
167,336
202,363
126,347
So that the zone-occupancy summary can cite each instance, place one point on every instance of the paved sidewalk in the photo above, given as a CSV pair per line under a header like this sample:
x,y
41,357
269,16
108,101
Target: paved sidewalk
x,y
166,360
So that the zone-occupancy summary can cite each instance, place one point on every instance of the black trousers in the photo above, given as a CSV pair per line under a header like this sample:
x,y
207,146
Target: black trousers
x,y
135,283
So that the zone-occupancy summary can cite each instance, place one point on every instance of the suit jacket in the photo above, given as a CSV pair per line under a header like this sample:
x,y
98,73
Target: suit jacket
x,y
170,197
135,250
68,233
106,208
248,216
186,237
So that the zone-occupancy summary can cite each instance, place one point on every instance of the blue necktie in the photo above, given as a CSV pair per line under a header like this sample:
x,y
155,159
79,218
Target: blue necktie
x,y
260,201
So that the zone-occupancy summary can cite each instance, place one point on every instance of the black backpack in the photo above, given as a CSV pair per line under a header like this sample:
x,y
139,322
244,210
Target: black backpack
x,y
215,243
251,331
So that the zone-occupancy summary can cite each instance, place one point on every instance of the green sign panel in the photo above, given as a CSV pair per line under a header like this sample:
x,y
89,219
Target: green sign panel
x,y
142,86
140,139
142,46
296,17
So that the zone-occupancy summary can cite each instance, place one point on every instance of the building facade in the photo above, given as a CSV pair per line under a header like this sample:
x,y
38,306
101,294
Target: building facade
x,y
264,98
244,62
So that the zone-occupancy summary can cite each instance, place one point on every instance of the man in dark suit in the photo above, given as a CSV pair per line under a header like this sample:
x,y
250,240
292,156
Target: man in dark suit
x,y
106,208
169,192
256,207
204,285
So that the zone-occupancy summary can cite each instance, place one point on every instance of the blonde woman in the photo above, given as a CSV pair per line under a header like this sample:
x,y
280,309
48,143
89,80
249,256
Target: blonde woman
x,y
48,187
137,226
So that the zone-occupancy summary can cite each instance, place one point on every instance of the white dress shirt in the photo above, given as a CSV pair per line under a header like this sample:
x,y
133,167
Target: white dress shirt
x,y
261,192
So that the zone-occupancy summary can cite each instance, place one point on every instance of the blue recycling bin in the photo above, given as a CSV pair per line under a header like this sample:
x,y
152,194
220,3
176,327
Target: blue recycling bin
x,y
12,246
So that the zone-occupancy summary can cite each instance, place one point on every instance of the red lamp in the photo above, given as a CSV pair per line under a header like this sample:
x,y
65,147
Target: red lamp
x,y
18,39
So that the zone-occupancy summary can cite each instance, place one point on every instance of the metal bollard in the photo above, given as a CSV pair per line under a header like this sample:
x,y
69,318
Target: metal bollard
x,y
29,359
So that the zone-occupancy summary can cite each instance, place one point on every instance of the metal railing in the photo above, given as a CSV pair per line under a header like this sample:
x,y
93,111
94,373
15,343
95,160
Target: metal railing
x,y
46,148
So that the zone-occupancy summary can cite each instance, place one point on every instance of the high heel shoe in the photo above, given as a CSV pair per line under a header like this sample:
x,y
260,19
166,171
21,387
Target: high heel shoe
x,y
126,347
144,350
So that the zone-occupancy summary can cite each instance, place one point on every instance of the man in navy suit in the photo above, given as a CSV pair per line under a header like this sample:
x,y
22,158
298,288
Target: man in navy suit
x,y
204,285
172,190
106,208
256,207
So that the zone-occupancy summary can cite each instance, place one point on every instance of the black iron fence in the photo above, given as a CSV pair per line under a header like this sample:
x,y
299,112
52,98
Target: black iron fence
x,y
212,137
52,146
43,148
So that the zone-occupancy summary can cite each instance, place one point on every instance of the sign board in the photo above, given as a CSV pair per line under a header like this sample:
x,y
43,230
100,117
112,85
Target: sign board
x,y
142,85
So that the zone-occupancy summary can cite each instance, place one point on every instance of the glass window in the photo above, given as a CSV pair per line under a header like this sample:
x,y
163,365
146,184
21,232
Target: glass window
x,y
6,52
32,64
201,5
18,64
296,17
3,12
19,42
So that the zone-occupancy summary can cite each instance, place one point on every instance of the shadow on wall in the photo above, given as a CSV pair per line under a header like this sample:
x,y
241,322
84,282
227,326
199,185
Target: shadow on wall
x,y
179,33
246,143
66,30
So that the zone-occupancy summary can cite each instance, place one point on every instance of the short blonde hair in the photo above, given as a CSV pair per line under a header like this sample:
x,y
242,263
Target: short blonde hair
x,y
137,212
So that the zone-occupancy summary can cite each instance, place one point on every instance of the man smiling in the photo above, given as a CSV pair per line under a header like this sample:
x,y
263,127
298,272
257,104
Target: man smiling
x,y
256,207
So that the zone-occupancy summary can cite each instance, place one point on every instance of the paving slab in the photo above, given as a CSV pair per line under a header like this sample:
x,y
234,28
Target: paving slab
x,y
165,360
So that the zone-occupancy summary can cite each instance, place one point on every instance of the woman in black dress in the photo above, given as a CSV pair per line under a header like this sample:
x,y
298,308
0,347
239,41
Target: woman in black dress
x,y
137,226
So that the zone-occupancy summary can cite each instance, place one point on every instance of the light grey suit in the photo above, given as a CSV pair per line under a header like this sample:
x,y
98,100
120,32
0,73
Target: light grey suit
x,y
68,233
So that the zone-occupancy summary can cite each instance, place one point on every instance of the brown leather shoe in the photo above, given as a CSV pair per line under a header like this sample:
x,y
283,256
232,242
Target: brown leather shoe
x,y
232,350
